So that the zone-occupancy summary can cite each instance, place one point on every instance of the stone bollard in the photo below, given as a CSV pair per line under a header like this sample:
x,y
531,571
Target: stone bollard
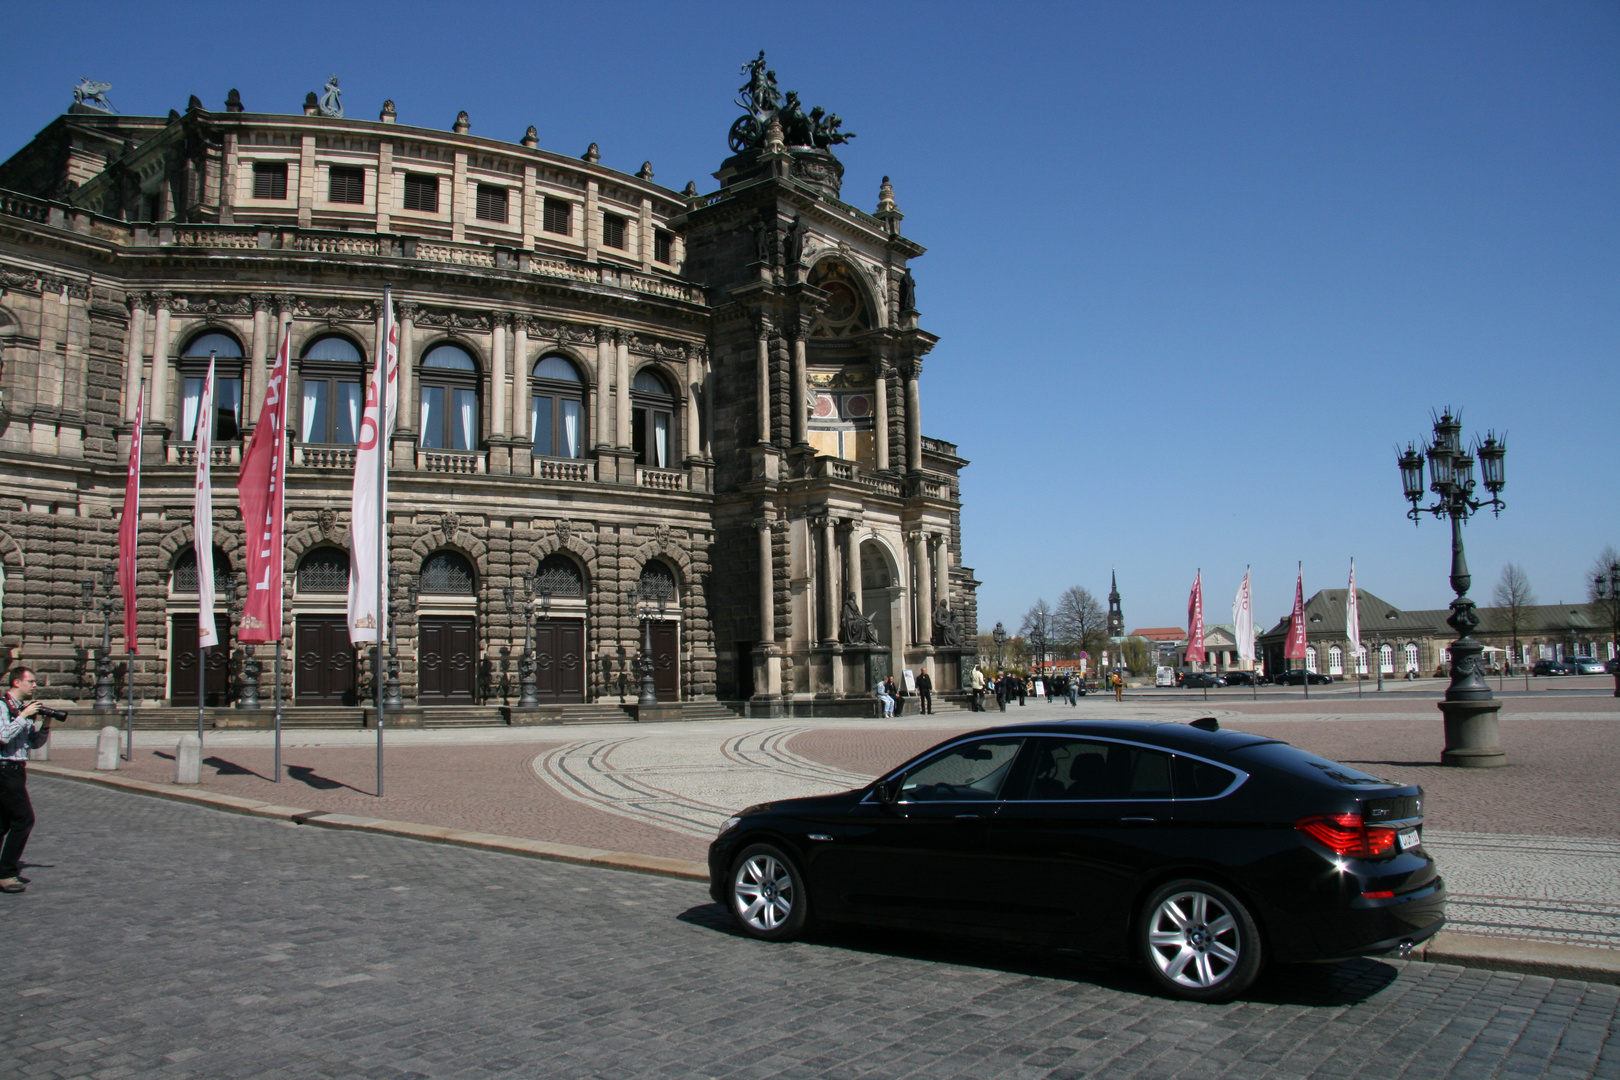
x,y
188,760
107,749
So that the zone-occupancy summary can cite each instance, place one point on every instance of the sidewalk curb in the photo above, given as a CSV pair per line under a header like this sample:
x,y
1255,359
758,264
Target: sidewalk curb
x,y
1586,963
656,865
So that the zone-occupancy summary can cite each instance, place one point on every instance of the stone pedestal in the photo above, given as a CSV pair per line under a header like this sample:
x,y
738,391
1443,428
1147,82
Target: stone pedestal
x,y
531,715
1472,741
662,711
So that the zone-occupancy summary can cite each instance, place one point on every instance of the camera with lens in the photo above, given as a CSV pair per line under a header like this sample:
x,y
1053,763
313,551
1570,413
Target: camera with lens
x,y
56,715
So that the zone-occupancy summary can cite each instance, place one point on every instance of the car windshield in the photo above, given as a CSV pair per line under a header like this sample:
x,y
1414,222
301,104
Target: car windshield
x,y
971,771
1297,761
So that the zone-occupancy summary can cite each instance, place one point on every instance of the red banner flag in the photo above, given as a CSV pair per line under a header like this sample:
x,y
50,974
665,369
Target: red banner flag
x,y
129,526
1195,621
261,487
1294,647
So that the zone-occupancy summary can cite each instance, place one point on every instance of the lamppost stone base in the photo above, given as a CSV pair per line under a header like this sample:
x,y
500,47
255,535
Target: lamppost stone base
x,y
1472,741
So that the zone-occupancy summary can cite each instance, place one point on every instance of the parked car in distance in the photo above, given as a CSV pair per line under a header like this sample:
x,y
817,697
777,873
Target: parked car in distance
x,y
1553,667
1588,665
1196,679
1297,678
1204,854
1240,678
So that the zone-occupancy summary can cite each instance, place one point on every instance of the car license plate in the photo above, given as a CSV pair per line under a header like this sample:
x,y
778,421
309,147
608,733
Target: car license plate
x,y
1409,839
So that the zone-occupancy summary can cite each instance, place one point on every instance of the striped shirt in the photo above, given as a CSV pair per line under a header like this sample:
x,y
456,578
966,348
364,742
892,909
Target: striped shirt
x,y
17,734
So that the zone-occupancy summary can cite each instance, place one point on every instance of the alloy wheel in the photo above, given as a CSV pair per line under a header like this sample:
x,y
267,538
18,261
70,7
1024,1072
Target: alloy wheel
x,y
1194,940
764,892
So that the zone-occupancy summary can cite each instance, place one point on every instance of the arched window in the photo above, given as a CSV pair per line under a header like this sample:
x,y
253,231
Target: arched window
x,y
227,385
333,375
652,415
324,570
1310,658
1386,659
183,578
557,409
1335,661
559,578
448,418
657,584
444,573
1411,656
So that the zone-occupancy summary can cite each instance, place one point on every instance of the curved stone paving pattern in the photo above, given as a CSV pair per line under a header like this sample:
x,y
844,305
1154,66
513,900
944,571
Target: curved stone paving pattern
x,y
1551,888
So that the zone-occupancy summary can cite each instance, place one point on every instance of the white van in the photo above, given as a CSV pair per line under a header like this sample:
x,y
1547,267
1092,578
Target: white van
x,y
1165,676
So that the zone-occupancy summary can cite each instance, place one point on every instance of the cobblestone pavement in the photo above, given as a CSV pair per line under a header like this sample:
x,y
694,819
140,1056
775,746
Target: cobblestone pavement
x,y
1529,851
165,940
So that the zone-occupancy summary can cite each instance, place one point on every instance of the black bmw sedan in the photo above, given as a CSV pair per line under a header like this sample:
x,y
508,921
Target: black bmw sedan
x,y
1204,853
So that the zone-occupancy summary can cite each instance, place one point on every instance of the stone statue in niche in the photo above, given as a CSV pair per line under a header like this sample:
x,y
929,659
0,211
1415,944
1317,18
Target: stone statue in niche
x,y
793,246
947,631
908,292
857,628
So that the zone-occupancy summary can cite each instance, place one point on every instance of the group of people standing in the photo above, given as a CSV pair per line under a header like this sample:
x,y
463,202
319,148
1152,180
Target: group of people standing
x,y
1007,687
891,695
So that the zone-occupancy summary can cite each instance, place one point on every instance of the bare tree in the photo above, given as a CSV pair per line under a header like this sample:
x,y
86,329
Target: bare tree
x,y
1036,631
1514,600
1079,621
1600,589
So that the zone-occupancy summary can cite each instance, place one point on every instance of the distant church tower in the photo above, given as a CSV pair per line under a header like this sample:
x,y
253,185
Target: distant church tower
x,y
1116,617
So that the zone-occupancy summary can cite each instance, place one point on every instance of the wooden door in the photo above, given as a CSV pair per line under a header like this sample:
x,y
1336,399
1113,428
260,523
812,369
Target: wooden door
x,y
183,666
559,661
325,659
446,659
666,640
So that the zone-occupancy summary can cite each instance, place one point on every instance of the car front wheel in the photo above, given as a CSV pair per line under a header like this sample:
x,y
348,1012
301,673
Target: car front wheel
x,y
1200,941
767,894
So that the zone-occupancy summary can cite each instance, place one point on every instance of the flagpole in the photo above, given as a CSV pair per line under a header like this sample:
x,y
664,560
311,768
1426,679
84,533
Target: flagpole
x,y
382,518
129,639
277,644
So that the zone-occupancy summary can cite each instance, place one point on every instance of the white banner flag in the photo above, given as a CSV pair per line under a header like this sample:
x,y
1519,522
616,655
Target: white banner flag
x,y
368,536
1352,613
202,515
1243,620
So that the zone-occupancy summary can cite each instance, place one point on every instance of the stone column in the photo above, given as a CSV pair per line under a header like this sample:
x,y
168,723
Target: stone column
x,y
158,407
923,625
604,379
708,406
407,366
880,423
522,371
621,399
800,394
694,446
829,579
285,304
497,377
134,355
913,415
762,385
767,608
260,347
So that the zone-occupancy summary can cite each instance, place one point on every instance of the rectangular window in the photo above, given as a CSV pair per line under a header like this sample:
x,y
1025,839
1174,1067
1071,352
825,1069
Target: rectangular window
x,y
270,180
491,203
663,247
422,193
612,231
346,185
558,217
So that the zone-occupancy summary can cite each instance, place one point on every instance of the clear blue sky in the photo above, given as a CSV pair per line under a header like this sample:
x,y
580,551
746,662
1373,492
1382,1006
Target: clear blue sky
x,y
1197,267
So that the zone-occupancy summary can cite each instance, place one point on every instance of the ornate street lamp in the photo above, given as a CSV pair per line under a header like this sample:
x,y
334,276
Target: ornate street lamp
x,y
1000,636
1469,710
102,595
247,686
642,603
528,686
1606,588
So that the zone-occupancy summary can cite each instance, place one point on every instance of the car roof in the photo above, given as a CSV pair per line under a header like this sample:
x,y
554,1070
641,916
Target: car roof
x,y
1169,735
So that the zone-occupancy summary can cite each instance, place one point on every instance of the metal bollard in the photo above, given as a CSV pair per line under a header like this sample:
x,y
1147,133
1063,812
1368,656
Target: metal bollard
x,y
188,760
107,749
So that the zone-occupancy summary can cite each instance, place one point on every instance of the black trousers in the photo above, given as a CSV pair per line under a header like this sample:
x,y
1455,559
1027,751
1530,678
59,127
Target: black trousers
x,y
927,697
16,815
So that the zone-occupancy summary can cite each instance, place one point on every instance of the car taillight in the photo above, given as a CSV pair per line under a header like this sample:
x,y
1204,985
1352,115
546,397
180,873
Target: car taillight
x,y
1347,834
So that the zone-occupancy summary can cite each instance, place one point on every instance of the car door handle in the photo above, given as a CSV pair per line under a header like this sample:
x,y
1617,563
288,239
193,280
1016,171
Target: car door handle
x,y
1137,820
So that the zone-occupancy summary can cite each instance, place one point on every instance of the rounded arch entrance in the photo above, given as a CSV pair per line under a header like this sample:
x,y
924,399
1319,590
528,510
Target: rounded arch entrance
x,y
325,667
447,630
657,596
184,653
555,637
881,601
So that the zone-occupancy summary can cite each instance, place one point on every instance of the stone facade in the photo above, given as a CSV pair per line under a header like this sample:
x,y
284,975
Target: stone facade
x,y
745,393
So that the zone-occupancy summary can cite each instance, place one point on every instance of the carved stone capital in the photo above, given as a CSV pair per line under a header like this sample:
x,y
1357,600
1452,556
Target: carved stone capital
x,y
162,298
286,303
261,301
763,327
408,310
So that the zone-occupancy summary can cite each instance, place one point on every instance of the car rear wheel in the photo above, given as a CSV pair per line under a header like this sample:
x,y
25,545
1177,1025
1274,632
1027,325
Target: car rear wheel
x,y
1200,941
767,894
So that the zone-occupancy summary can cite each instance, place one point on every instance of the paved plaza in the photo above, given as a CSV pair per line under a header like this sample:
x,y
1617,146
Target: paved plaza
x,y
161,939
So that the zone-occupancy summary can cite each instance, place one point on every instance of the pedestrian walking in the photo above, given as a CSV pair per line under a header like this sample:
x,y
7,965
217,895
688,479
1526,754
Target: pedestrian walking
x,y
925,693
1119,686
1022,690
1073,687
978,689
1001,692
19,733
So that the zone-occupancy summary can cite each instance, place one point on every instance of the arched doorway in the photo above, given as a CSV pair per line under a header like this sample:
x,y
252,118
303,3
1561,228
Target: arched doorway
x,y
657,591
183,650
559,631
324,661
447,631
879,603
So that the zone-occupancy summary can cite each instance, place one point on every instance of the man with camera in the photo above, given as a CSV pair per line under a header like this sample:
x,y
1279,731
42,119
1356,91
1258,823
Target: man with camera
x,y
19,733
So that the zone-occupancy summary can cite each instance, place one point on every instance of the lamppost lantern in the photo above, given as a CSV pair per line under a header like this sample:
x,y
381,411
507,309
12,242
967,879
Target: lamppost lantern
x,y
1470,712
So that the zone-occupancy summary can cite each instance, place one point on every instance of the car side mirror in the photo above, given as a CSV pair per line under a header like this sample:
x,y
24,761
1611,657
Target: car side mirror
x,y
887,792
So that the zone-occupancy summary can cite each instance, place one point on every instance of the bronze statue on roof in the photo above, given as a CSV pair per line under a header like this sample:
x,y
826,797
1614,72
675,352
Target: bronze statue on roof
x,y
762,100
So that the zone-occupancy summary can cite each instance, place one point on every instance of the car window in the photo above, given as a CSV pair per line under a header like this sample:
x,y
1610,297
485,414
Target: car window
x,y
1199,779
1065,769
970,771
1283,756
